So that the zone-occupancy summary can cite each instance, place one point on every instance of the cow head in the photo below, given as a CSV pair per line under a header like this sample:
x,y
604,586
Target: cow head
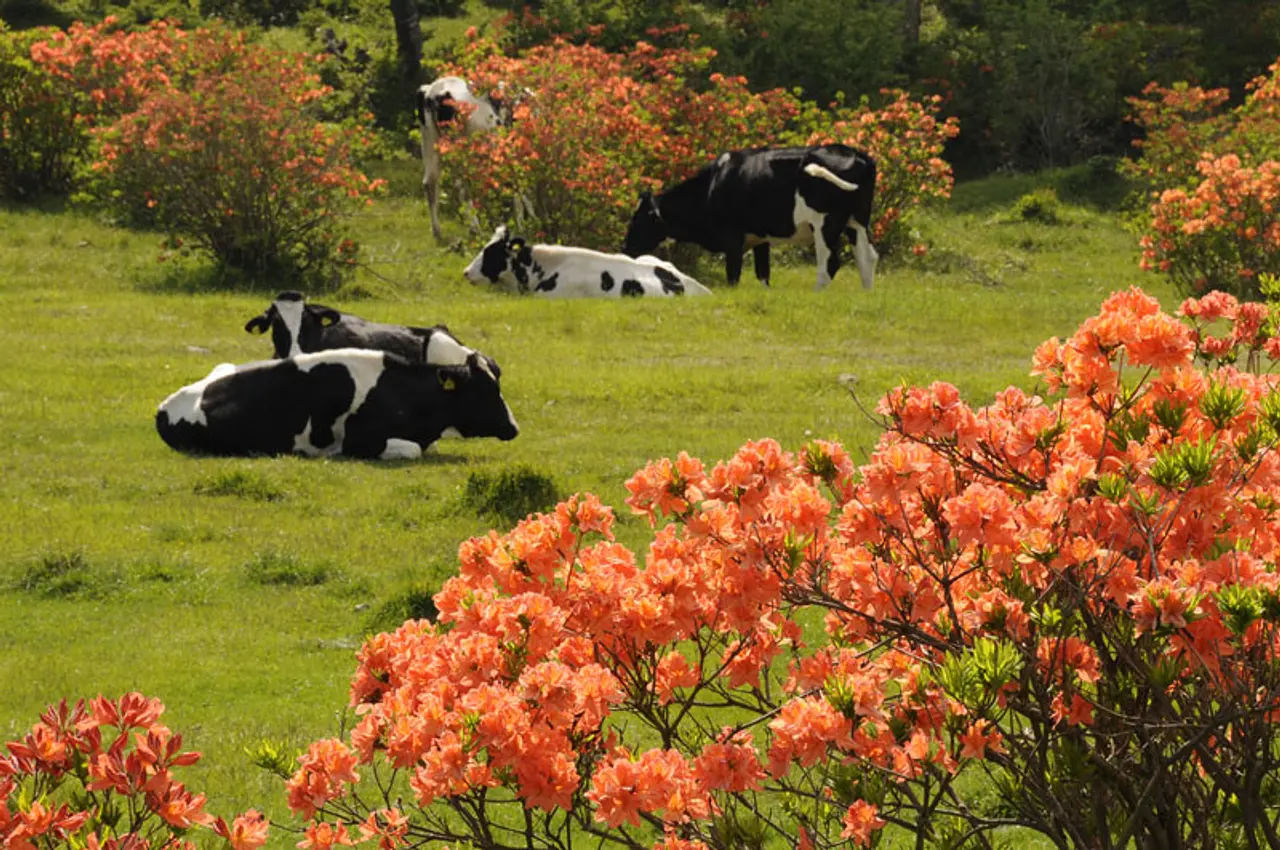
x,y
295,325
647,229
504,261
479,409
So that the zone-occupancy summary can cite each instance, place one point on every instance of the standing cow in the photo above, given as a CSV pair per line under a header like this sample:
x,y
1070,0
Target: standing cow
x,y
347,401
440,103
559,271
749,199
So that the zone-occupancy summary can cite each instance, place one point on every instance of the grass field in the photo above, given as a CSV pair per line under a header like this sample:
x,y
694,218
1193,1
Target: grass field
x,y
238,589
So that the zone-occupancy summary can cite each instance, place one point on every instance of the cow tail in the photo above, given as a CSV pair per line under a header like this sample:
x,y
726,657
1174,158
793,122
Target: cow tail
x,y
815,170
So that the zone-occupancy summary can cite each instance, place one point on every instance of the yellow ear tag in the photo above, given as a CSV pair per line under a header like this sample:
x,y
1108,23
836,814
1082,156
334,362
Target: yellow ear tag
x,y
448,385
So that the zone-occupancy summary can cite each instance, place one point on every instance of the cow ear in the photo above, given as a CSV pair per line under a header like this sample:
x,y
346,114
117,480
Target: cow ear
x,y
451,377
328,317
258,324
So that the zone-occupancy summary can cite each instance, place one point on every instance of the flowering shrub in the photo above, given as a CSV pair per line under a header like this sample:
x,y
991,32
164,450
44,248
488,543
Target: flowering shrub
x,y
1223,233
601,127
1076,599
100,776
41,141
1213,179
210,139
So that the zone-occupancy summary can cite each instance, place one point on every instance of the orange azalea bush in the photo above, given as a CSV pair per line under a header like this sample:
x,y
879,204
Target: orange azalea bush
x,y
99,776
214,141
1073,598
1222,234
597,128
1213,178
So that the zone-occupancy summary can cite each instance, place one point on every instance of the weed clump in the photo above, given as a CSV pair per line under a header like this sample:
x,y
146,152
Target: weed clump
x,y
510,494
242,484
62,575
1041,205
416,603
278,569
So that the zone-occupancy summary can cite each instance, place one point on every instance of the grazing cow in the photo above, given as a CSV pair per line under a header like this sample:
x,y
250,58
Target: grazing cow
x,y
299,328
349,401
555,271
748,199
440,103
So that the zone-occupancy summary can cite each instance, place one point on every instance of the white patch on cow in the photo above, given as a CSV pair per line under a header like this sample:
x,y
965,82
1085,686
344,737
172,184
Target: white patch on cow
x,y
815,170
302,445
365,368
185,404
398,449
453,433
444,350
290,312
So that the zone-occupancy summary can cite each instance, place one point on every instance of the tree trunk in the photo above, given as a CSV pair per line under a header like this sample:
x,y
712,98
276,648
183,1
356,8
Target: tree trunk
x,y
408,41
911,15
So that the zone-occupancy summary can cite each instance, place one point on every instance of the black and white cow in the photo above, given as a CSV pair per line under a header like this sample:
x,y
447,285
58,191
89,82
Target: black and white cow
x,y
440,103
557,271
300,328
348,401
748,199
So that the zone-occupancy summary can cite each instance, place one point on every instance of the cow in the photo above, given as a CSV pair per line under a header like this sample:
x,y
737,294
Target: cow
x,y
299,328
439,103
557,271
346,401
751,198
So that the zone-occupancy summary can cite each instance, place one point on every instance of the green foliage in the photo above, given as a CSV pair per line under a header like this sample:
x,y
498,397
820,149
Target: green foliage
x,y
511,494
274,568
1041,205
416,603
241,484
821,47
41,141
60,574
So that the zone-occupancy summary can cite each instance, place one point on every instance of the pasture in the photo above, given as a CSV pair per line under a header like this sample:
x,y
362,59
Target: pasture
x,y
237,590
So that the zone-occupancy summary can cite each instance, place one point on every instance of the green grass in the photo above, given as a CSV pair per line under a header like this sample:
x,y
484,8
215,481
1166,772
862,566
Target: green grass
x,y
237,590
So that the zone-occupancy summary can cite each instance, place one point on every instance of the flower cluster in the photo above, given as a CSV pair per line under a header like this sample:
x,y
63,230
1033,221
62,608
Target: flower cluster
x,y
100,775
1015,589
598,128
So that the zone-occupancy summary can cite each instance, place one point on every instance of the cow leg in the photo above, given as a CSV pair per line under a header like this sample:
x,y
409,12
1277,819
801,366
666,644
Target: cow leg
x,y
761,255
865,254
431,185
826,243
734,246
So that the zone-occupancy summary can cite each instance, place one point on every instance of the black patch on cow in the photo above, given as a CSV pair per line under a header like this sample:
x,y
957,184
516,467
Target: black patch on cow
x,y
670,282
445,109
549,284
606,282
493,261
632,287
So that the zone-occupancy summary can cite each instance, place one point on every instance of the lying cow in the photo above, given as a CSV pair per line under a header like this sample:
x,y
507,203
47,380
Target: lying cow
x,y
555,271
440,103
349,401
749,199
299,328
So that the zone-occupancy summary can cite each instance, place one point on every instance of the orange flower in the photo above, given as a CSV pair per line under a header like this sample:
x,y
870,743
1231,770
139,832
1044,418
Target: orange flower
x,y
860,821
